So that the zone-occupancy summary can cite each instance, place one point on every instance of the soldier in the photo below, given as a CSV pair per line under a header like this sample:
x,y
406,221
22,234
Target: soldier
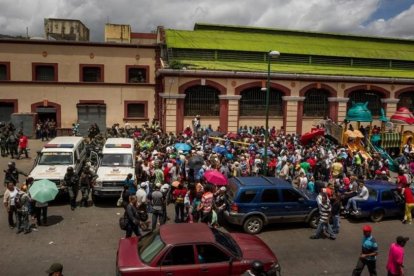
x,y
12,144
86,182
71,180
11,175
3,144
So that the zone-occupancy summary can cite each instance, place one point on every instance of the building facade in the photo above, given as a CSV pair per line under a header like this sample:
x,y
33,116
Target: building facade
x,y
65,29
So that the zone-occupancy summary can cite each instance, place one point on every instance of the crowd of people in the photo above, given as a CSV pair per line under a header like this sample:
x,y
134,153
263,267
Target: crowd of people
x,y
168,174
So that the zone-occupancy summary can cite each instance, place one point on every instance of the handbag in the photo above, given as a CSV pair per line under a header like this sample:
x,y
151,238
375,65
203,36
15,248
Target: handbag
x,y
120,201
123,222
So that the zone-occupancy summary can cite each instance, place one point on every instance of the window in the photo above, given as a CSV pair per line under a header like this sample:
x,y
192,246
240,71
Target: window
x,y
247,196
208,253
44,72
137,74
149,246
387,196
362,96
316,103
135,109
91,73
201,100
253,102
407,100
226,241
290,196
270,195
4,71
180,255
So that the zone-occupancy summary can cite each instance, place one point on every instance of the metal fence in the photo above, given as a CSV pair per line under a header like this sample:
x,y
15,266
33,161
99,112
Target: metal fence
x,y
253,102
316,103
201,100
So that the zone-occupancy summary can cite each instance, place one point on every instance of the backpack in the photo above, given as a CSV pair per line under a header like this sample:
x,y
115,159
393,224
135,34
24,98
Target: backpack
x,y
18,201
123,222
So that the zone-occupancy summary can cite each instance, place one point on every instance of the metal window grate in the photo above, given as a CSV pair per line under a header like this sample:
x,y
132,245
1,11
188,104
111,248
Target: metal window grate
x,y
362,96
253,102
91,74
406,100
3,72
316,103
201,100
45,73
136,110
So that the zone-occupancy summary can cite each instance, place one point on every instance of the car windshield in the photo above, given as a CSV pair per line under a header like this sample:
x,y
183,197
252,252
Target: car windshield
x,y
149,246
56,158
227,242
120,160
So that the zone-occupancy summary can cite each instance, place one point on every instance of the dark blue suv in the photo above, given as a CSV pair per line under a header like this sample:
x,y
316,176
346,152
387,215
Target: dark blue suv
x,y
257,201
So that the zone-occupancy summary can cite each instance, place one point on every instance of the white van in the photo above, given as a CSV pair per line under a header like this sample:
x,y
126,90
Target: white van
x,y
56,156
116,162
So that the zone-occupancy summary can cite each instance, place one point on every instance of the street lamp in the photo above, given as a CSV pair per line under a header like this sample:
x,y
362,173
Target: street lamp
x,y
270,55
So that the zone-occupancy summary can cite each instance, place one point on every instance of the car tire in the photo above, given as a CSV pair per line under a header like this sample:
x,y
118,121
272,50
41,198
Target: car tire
x,y
253,225
377,215
314,220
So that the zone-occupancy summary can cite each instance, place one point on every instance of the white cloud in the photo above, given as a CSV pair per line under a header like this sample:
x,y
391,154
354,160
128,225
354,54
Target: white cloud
x,y
343,16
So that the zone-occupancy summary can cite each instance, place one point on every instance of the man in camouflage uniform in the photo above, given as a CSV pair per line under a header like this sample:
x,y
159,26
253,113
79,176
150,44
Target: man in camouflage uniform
x,y
11,175
86,181
3,144
72,183
12,143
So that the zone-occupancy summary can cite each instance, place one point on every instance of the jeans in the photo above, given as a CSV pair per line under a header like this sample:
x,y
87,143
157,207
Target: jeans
x,y
353,201
23,221
372,267
179,212
73,193
132,228
336,222
11,215
328,230
41,213
157,215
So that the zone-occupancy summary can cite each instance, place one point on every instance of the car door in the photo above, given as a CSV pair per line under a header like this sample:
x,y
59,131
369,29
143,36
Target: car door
x,y
294,205
389,204
271,204
212,260
179,260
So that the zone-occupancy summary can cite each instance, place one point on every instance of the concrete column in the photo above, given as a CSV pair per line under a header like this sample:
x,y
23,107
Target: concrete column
x,y
232,111
291,115
340,106
390,106
172,116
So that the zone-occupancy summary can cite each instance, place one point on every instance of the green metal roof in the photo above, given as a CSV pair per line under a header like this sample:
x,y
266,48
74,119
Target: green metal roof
x,y
235,38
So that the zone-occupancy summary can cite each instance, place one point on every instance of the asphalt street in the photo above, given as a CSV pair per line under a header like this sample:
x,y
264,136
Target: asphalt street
x,y
85,241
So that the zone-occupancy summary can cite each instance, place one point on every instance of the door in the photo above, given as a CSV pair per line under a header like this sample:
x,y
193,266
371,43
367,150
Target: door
x,y
271,205
212,260
295,207
180,261
45,113
6,110
89,114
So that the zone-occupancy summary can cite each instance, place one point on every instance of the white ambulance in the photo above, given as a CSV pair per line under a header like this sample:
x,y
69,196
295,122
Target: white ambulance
x,y
56,156
116,162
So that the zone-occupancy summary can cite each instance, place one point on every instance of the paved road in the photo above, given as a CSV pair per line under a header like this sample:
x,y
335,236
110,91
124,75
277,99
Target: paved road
x,y
85,241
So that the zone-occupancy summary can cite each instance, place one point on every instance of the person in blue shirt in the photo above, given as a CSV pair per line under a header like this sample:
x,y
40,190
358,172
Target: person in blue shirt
x,y
369,252
311,185
132,187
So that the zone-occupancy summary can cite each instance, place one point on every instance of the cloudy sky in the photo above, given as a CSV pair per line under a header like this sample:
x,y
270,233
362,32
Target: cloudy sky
x,y
391,18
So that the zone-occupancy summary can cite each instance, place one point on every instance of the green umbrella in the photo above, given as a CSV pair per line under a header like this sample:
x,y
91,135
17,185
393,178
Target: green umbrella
x,y
43,190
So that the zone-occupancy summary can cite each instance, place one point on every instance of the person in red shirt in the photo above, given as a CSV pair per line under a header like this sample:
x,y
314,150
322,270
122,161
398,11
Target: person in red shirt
x,y
22,145
409,204
401,180
395,263
178,196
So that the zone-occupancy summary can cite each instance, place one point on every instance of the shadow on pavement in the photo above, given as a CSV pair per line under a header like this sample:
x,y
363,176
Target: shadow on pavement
x,y
52,220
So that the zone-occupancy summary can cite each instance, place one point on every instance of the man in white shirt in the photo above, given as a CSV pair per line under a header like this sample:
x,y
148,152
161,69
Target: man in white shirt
x,y
9,203
142,194
362,196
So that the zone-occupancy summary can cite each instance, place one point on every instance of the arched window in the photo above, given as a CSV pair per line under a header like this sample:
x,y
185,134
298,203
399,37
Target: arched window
x,y
362,96
406,100
316,103
253,102
201,100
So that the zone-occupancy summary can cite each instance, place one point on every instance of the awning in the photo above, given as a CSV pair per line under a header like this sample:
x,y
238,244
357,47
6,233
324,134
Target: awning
x,y
390,140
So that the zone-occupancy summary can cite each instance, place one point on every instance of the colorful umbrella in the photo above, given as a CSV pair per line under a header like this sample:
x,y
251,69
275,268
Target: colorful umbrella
x,y
196,162
215,177
220,150
182,146
232,135
43,190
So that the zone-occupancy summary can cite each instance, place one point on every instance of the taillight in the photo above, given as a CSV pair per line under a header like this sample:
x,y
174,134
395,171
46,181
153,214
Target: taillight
x,y
234,208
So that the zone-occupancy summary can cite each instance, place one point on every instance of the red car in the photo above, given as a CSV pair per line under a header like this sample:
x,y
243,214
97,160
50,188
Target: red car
x,y
192,249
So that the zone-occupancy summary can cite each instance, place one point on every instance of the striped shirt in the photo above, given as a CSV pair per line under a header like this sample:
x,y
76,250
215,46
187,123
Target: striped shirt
x,y
324,212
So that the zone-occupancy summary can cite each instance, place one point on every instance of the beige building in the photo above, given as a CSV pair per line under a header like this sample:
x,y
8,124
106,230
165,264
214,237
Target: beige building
x,y
73,81
65,29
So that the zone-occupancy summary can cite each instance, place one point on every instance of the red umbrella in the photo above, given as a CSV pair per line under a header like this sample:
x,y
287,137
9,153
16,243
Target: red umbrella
x,y
215,177
232,135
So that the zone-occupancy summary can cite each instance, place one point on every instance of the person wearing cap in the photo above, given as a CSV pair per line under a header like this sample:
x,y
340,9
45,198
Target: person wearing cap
x,y
395,263
369,252
157,203
142,195
12,174
55,269
71,180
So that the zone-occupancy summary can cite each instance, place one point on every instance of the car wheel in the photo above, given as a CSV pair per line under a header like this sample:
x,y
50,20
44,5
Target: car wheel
x,y
377,215
314,220
253,225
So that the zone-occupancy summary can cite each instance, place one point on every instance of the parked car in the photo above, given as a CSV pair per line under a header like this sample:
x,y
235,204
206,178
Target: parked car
x,y
258,201
192,249
384,201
